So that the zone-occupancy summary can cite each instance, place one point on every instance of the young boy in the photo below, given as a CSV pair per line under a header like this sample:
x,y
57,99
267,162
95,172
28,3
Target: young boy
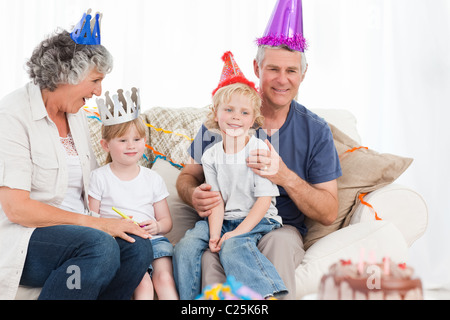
x,y
247,211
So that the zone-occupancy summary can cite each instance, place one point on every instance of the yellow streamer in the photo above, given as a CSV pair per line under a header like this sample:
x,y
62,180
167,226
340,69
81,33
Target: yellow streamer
x,y
168,131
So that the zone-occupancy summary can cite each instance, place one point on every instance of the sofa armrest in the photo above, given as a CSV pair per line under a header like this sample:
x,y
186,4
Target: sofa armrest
x,y
399,204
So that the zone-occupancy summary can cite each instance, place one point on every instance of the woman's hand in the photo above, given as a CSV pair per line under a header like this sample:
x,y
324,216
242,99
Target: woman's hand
x,y
20,209
121,227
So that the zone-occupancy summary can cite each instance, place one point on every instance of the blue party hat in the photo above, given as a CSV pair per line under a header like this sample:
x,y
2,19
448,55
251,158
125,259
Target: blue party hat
x,y
87,32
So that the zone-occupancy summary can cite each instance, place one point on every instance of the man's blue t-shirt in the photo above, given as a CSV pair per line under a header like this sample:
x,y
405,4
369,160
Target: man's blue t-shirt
x,y
306,146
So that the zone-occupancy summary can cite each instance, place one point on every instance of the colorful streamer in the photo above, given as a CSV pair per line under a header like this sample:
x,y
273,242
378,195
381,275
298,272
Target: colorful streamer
x,y
360,197
168,131
352,150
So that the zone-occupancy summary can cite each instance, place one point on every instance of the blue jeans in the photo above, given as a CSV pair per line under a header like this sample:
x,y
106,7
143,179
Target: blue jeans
x,y
74,262
239,257
161,248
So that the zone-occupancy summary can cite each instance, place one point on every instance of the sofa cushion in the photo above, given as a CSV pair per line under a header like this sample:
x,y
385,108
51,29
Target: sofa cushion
x,y
184,216
363,170
172,132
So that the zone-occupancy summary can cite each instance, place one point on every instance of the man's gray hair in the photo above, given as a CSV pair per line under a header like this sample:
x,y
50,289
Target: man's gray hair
x,y
59,60
262,50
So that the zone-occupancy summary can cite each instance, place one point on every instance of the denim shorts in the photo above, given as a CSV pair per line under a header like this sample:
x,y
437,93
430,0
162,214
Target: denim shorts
x,y
161,248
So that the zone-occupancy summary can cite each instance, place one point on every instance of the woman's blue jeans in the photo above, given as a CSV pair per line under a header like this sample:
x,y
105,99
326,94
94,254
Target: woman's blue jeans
x,y
239,257
74,262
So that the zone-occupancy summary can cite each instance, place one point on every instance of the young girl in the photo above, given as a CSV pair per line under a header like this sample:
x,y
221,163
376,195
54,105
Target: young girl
x,y
140,193
247,211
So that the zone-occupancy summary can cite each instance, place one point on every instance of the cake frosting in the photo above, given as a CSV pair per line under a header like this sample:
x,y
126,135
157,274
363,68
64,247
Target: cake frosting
x,y
365,281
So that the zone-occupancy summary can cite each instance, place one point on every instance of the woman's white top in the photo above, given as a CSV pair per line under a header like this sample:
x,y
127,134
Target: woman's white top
x,y
33,159
73,200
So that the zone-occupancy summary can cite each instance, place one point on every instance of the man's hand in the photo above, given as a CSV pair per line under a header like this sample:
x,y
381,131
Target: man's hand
x,y
268,164
192,192
203,199
318,201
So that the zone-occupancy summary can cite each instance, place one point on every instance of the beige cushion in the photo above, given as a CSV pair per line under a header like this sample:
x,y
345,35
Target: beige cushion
x,y
363,171
184,216
172,132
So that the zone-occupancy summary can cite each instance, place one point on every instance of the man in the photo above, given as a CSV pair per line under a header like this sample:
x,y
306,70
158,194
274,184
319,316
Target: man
x,y
304,164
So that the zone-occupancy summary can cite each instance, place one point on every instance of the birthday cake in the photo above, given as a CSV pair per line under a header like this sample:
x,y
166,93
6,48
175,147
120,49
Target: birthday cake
x,y
363,281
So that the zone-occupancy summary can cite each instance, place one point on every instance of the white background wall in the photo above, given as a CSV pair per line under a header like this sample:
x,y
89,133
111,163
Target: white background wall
x,y
386,61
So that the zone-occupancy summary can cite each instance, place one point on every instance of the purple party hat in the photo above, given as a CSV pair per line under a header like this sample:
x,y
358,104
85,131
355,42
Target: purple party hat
x,y
87,32
285,26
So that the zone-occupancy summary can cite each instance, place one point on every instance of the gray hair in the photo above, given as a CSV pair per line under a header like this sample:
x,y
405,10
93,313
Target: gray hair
x,y
262,51
59,60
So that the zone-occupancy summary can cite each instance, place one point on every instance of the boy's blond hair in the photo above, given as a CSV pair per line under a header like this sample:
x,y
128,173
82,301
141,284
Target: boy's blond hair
x,y
223,95
119,130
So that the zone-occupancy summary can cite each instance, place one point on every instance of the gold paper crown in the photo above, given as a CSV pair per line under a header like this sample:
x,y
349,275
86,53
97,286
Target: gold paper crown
x,y
120,107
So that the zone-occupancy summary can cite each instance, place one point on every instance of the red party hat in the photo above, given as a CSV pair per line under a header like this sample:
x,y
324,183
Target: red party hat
x,y
231,73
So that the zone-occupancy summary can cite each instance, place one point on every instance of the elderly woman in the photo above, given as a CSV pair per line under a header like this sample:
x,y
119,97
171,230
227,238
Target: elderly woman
x,y
48,237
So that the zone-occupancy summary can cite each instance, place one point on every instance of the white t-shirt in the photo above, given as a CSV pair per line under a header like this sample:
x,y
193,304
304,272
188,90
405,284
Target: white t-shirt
x,y
134,197
239,186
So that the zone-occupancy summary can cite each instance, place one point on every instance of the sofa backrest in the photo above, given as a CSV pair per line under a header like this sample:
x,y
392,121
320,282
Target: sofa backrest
x,y
344,120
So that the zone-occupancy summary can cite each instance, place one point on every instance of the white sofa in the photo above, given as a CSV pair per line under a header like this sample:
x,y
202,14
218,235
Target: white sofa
x,y
403,212
404,217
